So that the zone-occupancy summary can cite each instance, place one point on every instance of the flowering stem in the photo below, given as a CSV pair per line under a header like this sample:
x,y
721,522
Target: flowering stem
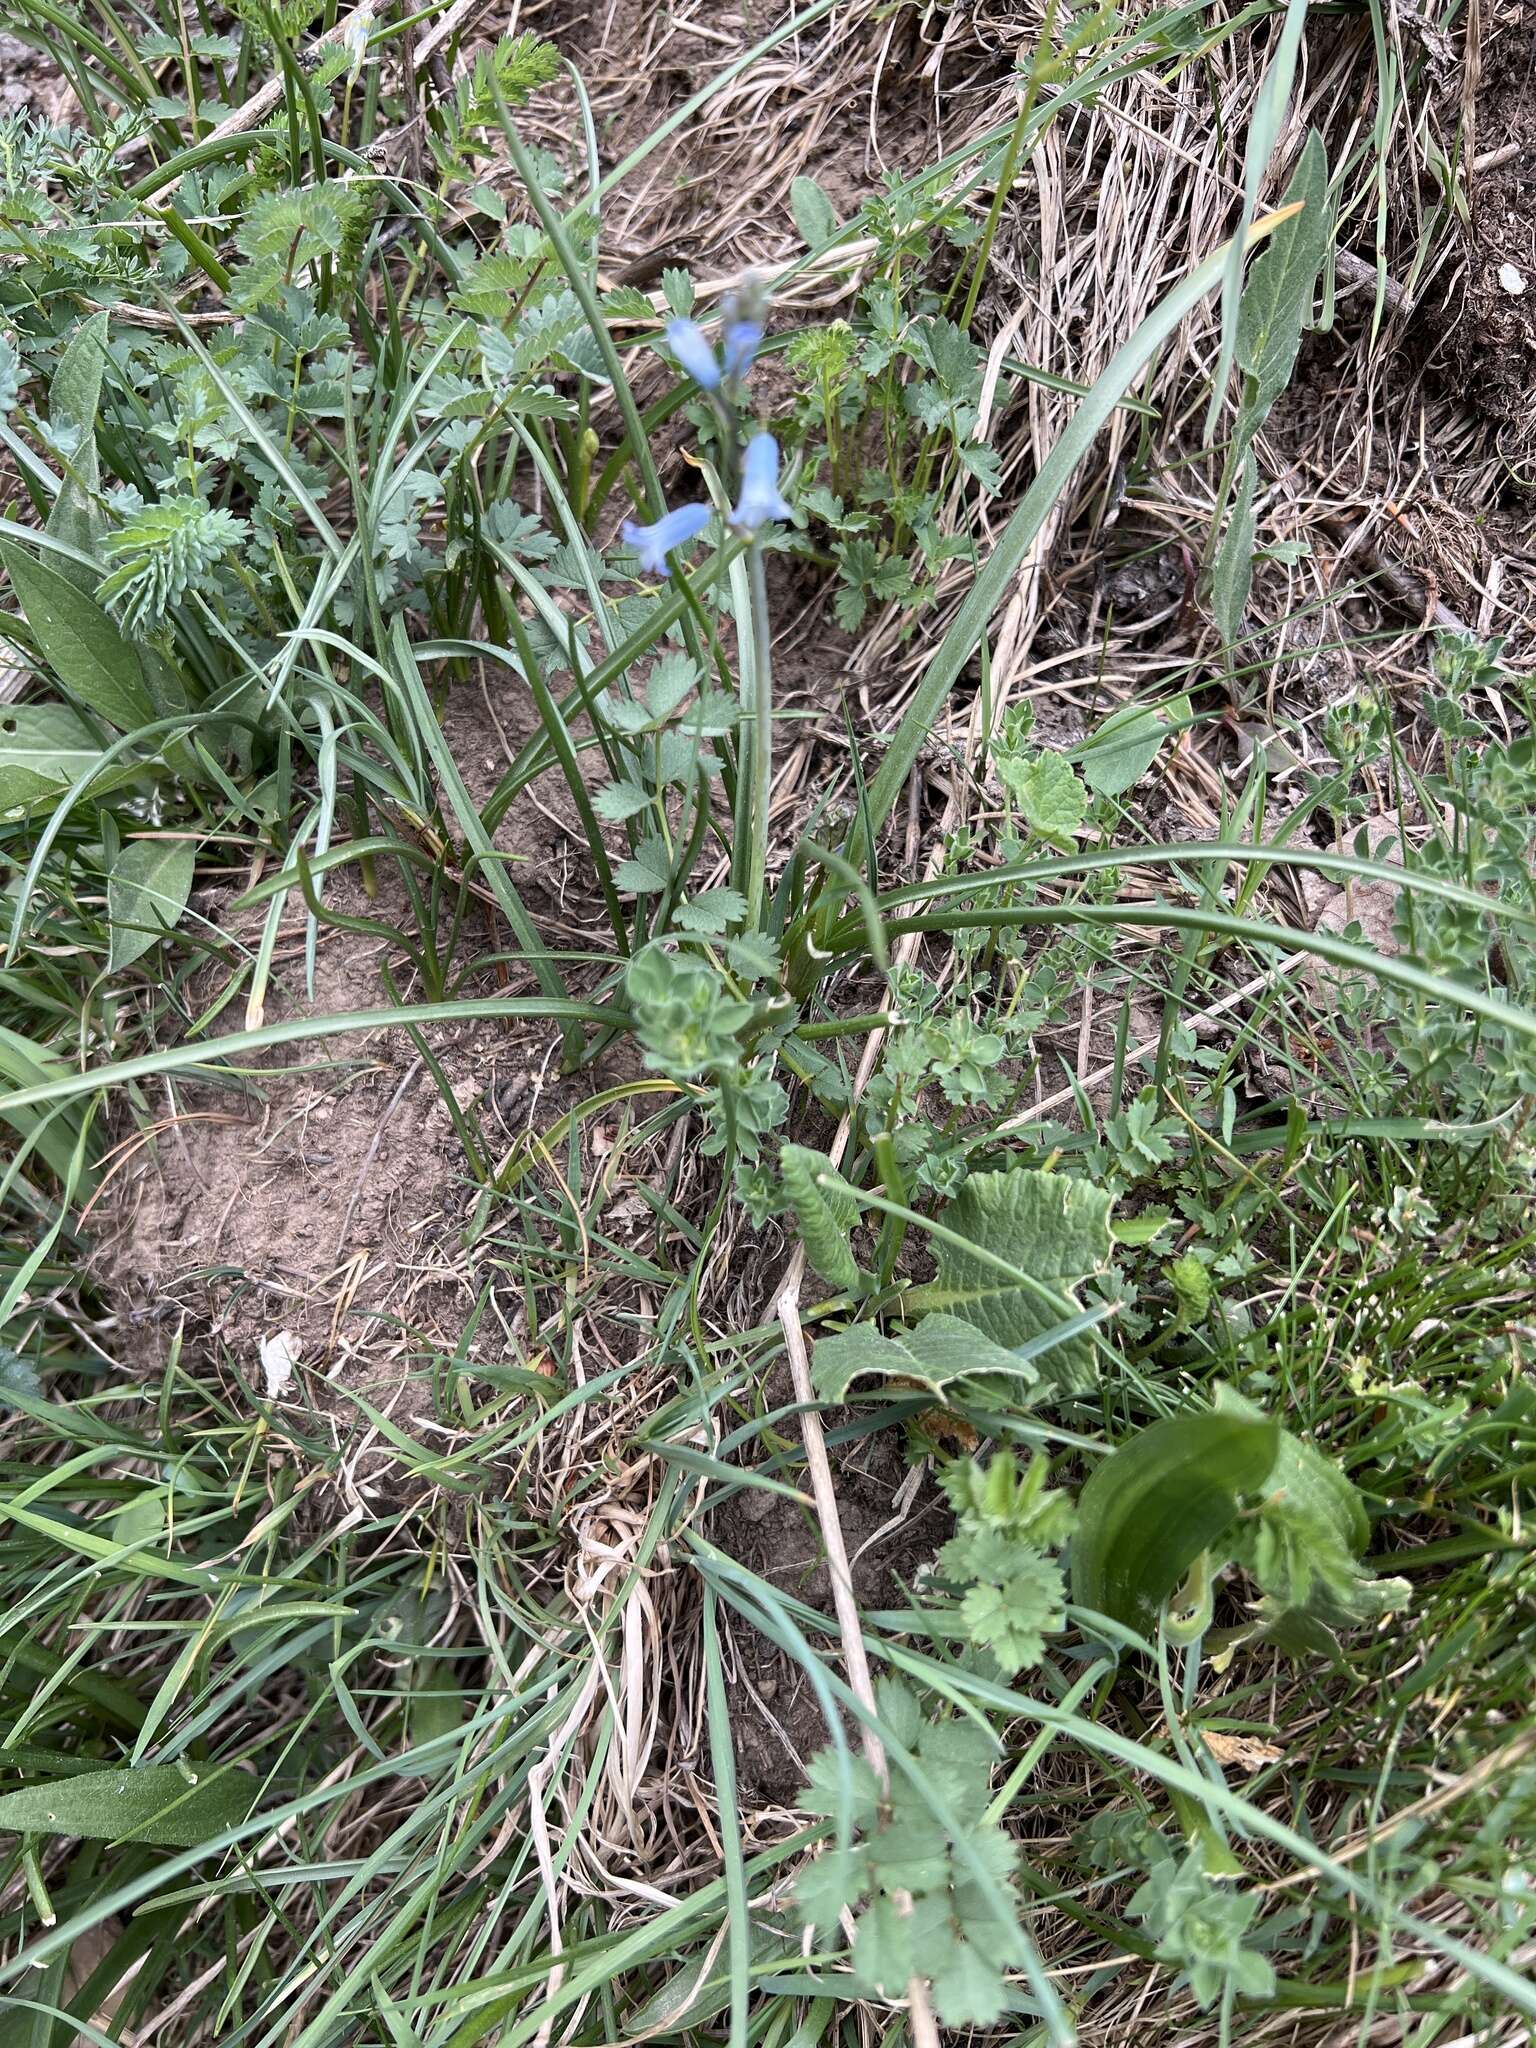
x,y
762,736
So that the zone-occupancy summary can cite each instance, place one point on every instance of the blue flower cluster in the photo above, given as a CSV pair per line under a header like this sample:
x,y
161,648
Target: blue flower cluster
x,y
759,500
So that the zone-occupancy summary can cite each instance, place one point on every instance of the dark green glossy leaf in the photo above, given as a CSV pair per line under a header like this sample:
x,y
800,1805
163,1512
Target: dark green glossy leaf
x,y
1171,1492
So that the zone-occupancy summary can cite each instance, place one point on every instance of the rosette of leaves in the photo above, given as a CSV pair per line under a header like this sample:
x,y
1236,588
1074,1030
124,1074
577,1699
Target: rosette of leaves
x,y
1012,1595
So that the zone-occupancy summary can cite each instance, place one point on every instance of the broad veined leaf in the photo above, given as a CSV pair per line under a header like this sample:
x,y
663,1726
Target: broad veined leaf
x,y
43,749
828,1209
936,1352
1030,1238
147,892
96,664
152,1803
1154,1505
74,399
1126,744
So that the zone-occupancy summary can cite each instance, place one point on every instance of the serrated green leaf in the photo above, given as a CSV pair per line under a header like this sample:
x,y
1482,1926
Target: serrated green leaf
x,y
617,801
936,1352
900,1715
150,1803
1031,1237
969,1991
882,1950
1154,1505
669,683
93,659
711,910
827,1210
910,1853
147,892
1048,793
836,1878
754,957
823,1792
648,870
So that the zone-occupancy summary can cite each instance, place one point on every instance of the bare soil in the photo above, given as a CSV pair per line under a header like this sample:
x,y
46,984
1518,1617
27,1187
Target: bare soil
x,y
892,1525
324,1192
1495,340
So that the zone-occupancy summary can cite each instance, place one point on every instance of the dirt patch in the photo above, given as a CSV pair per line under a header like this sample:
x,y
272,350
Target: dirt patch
x,y
893,1520
324,1189
1495,341
322,1193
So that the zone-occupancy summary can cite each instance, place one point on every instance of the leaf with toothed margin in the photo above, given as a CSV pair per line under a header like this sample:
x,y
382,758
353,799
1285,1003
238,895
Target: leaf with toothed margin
x,y
936,1353
828,1209
1030,1237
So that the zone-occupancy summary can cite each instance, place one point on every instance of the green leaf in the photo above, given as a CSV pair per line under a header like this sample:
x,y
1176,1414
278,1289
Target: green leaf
x,y
96,664
1153,1506
815,216
1030,1237
835,1879
882,1950
1277,298
712,910
822,1792
147,892
43,749
647,871
969,1990
74,399
1126,744
901,1718
617,801
828,1209
1013,1619
1048,793
1232,570
153,1803
940,1350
